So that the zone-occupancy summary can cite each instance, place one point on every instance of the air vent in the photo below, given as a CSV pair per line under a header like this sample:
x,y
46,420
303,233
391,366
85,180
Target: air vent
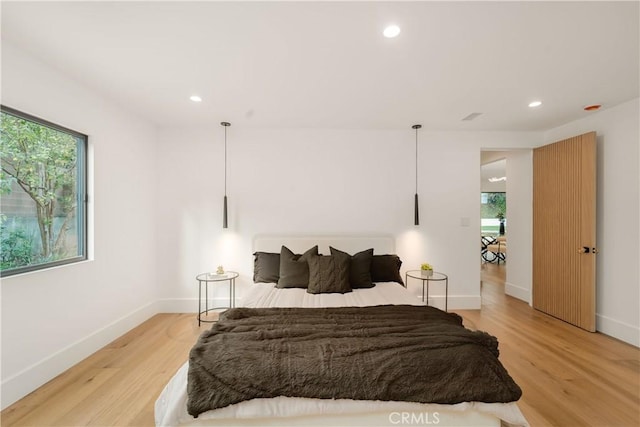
x,y
471,117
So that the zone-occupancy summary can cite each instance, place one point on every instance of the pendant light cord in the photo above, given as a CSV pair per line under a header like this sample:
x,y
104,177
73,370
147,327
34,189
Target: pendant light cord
x,y
225,161
416,127
416,160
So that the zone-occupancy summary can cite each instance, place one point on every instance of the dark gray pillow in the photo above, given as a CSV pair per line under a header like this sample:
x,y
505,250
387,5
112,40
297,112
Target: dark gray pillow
x,y
359,268
329,274
266,267
386,268
294,270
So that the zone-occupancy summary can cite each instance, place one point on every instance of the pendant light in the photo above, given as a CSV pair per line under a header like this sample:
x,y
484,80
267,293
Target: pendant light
x,y
224,212
416,220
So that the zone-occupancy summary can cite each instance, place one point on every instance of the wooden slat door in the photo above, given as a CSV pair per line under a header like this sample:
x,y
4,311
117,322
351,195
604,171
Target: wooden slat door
x,y
564,230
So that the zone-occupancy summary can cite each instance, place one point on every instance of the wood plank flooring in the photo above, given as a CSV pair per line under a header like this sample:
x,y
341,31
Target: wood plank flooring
x,y
569,377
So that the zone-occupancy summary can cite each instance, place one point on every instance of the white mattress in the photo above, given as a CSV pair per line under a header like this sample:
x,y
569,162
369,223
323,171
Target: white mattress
x,y
267,295
171,406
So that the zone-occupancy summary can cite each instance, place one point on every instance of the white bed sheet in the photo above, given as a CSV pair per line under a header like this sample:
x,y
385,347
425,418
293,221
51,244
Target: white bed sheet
x,y
171,406
267,295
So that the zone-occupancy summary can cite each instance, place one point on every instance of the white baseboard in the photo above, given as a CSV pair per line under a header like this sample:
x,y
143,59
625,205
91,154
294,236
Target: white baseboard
x,y
29,379
519,292
456,302
617,329
606,325
188,305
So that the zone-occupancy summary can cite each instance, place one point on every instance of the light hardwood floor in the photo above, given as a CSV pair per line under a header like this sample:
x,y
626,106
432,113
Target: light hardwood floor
x,y
569,377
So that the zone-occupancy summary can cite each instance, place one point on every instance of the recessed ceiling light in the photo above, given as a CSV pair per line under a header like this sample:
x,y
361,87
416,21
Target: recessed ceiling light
x,y
534,104
195,98
391,31
593,107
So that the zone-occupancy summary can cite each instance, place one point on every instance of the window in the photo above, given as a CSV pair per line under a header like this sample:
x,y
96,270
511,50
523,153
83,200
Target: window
x,y
43,215
493,212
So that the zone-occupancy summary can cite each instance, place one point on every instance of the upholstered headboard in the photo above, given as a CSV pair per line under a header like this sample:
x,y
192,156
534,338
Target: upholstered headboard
x,y
381,244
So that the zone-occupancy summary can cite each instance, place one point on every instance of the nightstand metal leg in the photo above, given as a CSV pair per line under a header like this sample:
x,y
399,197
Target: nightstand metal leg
x,y
446,293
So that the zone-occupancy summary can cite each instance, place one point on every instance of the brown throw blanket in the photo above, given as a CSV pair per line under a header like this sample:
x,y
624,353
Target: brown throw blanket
x,y
400,353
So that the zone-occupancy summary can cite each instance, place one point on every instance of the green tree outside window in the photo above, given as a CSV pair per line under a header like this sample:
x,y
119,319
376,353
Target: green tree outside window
x,y
42,191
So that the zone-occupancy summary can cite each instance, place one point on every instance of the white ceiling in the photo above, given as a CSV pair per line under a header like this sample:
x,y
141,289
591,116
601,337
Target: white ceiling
x,y
495,169
327,65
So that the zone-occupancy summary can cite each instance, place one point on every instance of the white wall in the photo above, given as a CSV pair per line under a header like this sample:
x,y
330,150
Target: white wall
x,y
319,182
54,318
520,220
494,164
493,187
618,210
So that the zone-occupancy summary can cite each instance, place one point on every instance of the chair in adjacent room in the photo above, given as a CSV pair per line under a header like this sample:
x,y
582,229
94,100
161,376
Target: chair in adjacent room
x,y
499,249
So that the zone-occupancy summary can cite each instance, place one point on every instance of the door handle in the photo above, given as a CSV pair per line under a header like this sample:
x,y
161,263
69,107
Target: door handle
x,y
587,250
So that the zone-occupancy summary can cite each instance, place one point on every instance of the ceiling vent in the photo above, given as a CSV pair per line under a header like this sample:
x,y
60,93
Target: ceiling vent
x,y
471,117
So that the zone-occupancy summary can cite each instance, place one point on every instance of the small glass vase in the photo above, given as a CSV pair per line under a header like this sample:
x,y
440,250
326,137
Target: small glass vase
x,y
426,273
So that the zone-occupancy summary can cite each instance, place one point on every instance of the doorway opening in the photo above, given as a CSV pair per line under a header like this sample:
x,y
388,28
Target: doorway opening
x,y
518,170
493,216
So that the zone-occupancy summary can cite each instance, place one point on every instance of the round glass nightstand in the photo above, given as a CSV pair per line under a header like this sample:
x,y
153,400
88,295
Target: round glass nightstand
x,y
205,279
433,277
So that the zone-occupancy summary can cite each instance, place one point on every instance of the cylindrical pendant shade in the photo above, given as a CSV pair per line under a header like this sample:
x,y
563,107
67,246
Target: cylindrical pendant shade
x,y
224,213
416,217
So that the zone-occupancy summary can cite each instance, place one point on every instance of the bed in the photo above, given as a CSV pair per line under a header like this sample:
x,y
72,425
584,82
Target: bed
x,y
173,407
